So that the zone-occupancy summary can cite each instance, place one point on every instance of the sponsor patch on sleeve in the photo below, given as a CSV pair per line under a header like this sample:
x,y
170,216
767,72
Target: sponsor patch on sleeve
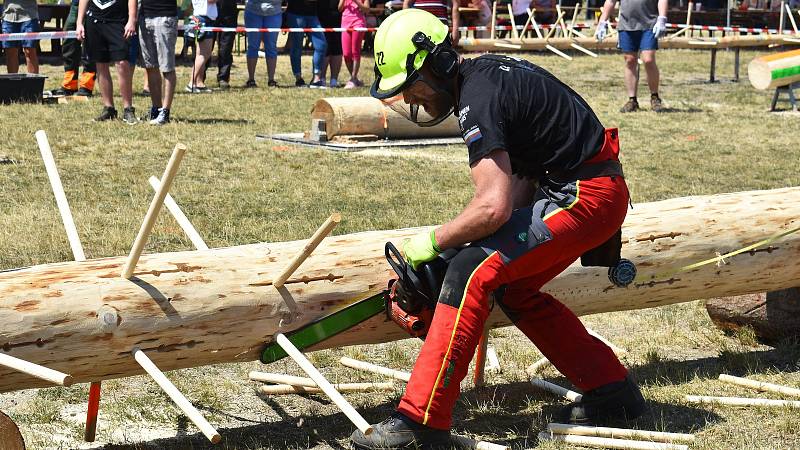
x,y
472,135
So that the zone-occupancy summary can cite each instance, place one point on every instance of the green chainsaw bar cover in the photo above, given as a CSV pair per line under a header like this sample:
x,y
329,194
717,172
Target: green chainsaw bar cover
x,y
326,327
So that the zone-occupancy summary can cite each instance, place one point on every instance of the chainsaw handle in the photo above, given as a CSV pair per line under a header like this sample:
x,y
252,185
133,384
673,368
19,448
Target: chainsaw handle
x,y
396,260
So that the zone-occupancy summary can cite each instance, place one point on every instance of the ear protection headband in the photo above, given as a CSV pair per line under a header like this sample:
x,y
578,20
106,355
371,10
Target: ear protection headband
x,y
443,59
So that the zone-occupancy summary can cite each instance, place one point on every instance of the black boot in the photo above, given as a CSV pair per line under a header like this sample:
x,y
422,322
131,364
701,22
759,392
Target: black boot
x,y
400,432
618,400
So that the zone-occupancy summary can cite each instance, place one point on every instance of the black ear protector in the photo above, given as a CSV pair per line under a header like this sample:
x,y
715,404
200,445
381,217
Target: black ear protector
x,y
444,60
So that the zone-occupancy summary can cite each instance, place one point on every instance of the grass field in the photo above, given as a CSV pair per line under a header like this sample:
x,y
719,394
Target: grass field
x,y
716,138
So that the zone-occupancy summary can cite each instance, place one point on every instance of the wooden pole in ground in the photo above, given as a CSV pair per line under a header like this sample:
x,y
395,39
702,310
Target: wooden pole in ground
x,y
513,22
539,34
556,389
527,23
181,218
617,350
279,389
780,20
738,401
538,366
35,370
494,20
479,377
688,23
318,236
182,402
324,384
61,198
368,367
588,441
791,18
777,388
77,254
624,433
152,212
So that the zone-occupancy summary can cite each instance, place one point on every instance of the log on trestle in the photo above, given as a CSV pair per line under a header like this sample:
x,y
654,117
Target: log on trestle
x,y
193,308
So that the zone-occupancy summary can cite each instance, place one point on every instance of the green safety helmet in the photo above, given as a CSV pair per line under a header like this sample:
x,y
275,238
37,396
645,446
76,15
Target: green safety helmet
x,y
399,54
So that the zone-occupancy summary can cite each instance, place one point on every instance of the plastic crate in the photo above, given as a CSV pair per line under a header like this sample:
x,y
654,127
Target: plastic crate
x,y
21,88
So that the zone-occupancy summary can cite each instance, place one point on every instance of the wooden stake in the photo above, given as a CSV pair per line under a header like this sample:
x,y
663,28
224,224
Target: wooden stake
x,y
777,388
152,212
780,21
61,198
182,220
533,22
588,441
491,357
556,389
527,22
35,370
738,401
624,433
278,389
688,22
555,26
185,405
584,50
513,22
465,442
279,378
558,52
318,236
368,367
538,366
478,378
791,18
617,350
326,386
494,19
507,45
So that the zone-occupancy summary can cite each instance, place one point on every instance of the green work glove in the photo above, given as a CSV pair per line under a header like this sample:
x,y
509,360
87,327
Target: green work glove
x,y
420,248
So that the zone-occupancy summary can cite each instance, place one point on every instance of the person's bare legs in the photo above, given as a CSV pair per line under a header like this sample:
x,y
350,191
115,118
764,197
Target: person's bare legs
x,y
154,79
631,75
203,55
170,84
12,59
251,68
106,86
125,77
653,76
32,59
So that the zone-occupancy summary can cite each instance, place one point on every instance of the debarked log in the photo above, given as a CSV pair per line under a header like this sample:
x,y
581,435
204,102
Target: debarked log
x,y
193,308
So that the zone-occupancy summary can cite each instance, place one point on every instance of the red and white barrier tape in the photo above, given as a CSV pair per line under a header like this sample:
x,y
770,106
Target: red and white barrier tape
x,y
73,34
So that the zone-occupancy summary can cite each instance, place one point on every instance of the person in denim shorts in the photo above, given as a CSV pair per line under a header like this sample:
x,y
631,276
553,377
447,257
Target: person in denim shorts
x,y
641,23
21,16
158,31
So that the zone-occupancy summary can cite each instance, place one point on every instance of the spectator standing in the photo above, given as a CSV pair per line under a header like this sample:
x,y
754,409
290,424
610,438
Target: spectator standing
x,y
105,26
641,23
353,16
228,17
303,14
436,7
158,33
262,14
71,53
204,14
330,17
21,16
484,17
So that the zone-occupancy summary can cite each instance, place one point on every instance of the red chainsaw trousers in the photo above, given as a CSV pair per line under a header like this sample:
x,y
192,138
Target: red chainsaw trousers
x,y
525,255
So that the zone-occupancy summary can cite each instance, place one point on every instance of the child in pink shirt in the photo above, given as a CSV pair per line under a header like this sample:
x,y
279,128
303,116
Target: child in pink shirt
x,y
352,17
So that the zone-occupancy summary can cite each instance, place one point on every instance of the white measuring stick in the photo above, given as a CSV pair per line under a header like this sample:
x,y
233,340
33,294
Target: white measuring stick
x,y
624,433
61,198
181,218
589,441
556,389
182,402
369,367
324,384
786,390
738,401
35,370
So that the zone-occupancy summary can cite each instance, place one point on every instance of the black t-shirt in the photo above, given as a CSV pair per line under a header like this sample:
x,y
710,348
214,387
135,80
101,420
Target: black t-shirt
x,y
108,10
302,7
159,8
511,104
226,8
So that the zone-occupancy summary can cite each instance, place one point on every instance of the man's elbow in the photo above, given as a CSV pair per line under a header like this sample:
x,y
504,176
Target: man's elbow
x,y
498,214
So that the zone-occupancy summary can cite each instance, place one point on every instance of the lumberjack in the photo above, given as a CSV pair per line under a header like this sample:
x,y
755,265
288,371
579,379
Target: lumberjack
x,y
548,189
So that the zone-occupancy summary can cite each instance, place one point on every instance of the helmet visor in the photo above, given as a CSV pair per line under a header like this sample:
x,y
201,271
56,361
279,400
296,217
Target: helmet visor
x,y
438,105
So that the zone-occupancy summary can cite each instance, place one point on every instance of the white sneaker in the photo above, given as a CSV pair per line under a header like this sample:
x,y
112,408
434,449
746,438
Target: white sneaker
x,y
162,118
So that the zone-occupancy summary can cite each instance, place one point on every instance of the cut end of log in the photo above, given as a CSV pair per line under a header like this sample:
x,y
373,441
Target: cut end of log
x,y
336,217
368,431
67,381
216,439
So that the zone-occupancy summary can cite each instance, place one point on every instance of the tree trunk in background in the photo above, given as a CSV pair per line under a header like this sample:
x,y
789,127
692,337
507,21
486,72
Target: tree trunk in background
x,y
772,315
194,308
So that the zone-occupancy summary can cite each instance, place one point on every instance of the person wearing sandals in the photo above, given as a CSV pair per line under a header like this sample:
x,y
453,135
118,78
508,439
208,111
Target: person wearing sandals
x,y
203,15
353,16
262,14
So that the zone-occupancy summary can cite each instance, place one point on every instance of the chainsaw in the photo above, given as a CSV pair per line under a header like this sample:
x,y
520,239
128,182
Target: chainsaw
x,y
409,301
